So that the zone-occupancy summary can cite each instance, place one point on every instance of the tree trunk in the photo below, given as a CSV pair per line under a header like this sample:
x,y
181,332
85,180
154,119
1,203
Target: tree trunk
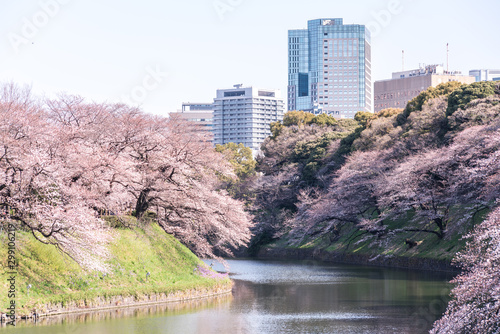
x,y
142,203
441,226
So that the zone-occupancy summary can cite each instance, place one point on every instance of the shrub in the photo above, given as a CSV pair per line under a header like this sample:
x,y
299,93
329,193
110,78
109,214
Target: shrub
x,y
465,94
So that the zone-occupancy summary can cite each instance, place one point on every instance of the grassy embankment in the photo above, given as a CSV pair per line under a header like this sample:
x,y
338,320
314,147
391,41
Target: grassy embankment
x,y
56,278
352,241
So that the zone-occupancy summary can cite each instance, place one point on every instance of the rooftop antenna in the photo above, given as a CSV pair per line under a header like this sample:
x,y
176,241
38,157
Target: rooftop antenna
x,y
403,56
447,58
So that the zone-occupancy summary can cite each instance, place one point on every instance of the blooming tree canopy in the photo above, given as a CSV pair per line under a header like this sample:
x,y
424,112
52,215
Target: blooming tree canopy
x,y
475,307
65,162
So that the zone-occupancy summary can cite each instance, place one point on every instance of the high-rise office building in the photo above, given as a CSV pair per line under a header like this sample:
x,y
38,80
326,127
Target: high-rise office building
x,y
243,115
329,68
404,86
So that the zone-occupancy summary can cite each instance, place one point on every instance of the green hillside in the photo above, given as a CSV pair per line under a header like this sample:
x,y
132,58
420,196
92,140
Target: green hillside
x,y
401,185
135,251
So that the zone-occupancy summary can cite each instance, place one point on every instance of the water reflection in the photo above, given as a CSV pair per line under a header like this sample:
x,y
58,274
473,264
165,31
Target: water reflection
x,y
72,323
284,297
279,297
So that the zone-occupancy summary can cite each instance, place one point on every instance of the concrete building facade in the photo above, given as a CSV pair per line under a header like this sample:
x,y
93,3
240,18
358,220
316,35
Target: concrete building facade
x,y
404,86
243,115
201,114
329,68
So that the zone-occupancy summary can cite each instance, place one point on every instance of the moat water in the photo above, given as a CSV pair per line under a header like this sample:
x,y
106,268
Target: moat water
x,y
281,297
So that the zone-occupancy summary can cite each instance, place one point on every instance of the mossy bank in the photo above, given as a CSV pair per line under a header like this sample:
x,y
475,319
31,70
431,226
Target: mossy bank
x,y
146,265
404,249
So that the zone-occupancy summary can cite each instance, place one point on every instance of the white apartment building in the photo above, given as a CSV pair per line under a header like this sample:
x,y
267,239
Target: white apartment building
x,y
243,115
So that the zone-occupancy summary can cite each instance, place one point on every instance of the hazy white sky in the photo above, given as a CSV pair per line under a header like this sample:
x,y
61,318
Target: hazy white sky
x,y
159,54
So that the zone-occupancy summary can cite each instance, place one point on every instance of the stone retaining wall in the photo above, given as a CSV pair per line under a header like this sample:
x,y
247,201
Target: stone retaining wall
x,y
115,302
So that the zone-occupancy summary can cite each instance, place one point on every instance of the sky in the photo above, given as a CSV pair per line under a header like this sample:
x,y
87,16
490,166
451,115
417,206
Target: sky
x,y
159,54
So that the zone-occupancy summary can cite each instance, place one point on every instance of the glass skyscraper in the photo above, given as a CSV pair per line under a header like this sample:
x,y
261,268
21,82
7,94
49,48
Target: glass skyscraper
x,y
329,68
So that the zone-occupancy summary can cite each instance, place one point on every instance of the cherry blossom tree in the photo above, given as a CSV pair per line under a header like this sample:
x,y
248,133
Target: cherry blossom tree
x,y
275,202
34,190
475,307
174,173
147,163
463,175
377,185
351,197
65,162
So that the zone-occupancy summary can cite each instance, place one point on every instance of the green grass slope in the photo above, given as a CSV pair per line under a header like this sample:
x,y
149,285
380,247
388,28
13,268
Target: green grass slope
x,y
400,244
56,278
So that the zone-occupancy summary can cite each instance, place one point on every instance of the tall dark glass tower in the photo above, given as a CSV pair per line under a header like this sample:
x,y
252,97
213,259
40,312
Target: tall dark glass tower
x,y
329,68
